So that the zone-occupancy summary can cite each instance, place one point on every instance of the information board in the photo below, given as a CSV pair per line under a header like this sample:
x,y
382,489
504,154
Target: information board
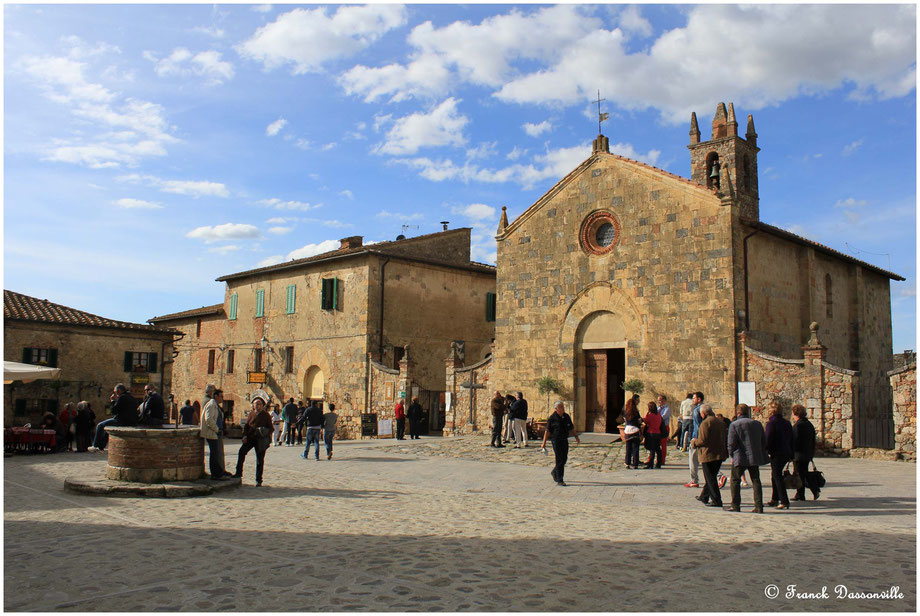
x,y
385,427
368,424
746,393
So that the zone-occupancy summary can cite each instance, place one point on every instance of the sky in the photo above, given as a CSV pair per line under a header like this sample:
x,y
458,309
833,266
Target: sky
x,y
149,149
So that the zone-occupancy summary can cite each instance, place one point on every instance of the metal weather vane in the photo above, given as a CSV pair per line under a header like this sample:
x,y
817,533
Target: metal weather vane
x,y
600,116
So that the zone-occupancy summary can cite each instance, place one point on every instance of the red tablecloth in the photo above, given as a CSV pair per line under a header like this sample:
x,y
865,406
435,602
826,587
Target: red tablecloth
x,y
24,437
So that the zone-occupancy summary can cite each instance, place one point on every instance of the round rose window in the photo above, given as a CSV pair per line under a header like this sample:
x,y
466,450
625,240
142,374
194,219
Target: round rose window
x,y
600,232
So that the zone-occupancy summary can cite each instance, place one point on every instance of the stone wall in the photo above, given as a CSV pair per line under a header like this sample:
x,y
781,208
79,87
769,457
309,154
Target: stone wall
x,y
904,409
458,415
384,392
91,360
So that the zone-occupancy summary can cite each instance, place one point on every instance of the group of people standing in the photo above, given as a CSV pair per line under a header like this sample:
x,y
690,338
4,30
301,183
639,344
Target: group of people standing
x,y
73,426
511,412
652,430
413,414
750,445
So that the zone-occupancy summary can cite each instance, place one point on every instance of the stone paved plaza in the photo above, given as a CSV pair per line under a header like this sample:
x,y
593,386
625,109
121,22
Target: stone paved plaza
x,y
451,525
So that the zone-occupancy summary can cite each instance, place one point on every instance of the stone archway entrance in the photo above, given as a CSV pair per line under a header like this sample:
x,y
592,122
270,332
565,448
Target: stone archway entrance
x,y
314,383
600,347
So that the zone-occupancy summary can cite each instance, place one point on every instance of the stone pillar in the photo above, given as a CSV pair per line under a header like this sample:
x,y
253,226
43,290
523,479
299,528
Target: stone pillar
x,y
404,383
814,353
451,364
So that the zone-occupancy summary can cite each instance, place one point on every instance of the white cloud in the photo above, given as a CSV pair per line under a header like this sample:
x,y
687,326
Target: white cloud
x,y
328,146
535,130
275,127
278,204
441,126
852,147
182,62
476,211
107,128
631,20
223,250
276,221
851,202
483,150
347,194
311,250
308,38
138,204
262,8
193,188
516,153
280,230
399,216
226,231
272,260
212,31
335,224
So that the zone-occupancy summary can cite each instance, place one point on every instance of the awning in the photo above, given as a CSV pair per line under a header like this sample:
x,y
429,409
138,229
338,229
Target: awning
x,y
14,371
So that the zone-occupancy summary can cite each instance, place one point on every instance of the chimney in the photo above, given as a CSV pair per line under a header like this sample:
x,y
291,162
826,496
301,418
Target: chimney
x,y
444,224
355,241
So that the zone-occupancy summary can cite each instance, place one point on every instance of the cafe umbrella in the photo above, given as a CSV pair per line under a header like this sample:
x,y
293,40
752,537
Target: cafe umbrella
x,y
26,373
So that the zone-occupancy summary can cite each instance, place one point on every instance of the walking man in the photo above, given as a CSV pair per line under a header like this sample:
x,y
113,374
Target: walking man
x,y
559,426
747,447
498,411
313,419
329,419
694,461
803,450
710,446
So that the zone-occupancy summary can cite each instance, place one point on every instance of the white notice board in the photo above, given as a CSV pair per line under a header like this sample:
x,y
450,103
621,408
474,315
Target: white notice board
x,y
447,402
385,427
746,393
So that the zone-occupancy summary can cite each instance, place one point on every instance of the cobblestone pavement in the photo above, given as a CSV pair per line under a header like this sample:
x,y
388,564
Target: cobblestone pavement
x,y
449,525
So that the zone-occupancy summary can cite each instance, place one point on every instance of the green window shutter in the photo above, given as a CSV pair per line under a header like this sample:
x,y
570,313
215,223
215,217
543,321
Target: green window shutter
x,y
490,306
152,362
291,298
128,357
335,293
324,295
260,303
27,355
52,358
233,307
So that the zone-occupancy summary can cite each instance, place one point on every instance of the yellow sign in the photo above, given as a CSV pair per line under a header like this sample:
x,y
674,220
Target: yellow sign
x,y
140,379
258,377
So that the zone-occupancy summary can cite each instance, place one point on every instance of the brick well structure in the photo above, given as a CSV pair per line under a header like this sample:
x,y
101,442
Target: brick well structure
x,y
154,455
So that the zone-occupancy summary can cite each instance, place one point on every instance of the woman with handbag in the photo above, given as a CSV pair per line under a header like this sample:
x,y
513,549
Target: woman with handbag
x,y
803,445
632,433
257,433
779,446
654,431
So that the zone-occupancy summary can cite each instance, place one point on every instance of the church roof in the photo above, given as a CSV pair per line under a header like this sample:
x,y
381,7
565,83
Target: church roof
x,y
804,241
19,307
187,314
579,169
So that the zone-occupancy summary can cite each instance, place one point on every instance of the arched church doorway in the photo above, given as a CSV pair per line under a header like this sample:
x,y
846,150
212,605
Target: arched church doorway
x,y
314,383
601,353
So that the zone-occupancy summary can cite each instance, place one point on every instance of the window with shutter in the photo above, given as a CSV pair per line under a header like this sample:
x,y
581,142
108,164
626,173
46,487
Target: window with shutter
x,y
257,361
211,354
233,307
289,360
129,361
490,306
260,303
231,356
291,299
330,294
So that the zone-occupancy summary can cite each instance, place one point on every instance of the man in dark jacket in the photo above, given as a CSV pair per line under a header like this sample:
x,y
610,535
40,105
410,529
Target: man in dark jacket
x,y
414,415
498,411
710,444
289,417
313,419
153,411
748,450
803,450
519,418
124,409
779,446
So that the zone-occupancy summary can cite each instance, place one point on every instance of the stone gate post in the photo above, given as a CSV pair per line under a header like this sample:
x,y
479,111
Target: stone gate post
x,y
814,353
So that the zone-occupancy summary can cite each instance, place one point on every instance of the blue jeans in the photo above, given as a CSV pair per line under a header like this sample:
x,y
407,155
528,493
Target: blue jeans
x,y
328,436
687,428
102,439
312,437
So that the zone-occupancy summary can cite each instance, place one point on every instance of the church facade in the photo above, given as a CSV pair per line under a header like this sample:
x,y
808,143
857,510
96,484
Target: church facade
x,y
625,271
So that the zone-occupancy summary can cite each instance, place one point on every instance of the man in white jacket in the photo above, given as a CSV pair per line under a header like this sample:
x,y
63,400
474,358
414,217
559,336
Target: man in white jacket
x,y
212,420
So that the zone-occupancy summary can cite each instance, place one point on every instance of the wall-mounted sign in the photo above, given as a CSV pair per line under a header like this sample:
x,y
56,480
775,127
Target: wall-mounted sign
x,y
257,377
140,379
388,389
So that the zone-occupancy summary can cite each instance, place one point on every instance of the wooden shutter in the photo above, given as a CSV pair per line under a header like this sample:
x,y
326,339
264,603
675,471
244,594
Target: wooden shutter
x,y
152,362
335,293
490,306
128,366
291,299
260,303
27,355
233,307
52,358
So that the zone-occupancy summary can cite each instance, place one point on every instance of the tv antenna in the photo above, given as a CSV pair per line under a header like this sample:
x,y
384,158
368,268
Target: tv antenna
x,y
407,227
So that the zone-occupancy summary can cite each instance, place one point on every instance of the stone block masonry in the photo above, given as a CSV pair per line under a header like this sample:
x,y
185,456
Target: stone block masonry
x,y
904,410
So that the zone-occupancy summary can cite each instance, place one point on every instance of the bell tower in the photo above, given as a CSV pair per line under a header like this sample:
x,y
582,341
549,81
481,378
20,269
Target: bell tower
x,y
726,151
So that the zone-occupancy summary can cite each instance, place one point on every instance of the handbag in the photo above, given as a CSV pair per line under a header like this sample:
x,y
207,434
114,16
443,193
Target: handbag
x,y
815,477
791,480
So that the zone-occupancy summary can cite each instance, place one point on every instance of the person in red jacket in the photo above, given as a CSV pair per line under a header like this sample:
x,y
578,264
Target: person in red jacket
x,y
66,417
400,414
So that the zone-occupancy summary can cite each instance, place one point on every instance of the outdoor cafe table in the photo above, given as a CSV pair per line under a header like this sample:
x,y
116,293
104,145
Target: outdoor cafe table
x,y
28,439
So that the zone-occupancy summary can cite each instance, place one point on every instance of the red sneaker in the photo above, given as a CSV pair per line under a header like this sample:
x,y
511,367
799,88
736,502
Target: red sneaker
x,y
692,484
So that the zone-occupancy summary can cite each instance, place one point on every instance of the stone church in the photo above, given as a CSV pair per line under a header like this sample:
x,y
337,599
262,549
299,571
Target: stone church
x,y
626,271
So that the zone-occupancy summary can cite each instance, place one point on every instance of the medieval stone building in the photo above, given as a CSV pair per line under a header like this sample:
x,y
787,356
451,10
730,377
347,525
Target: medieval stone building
x,y
94,353
335,326
626,271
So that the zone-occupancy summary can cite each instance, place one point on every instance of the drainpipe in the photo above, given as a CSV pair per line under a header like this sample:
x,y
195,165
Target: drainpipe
x,y
382,286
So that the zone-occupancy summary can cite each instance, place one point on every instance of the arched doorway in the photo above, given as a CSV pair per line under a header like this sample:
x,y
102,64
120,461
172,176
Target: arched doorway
x,y
600,345
314,383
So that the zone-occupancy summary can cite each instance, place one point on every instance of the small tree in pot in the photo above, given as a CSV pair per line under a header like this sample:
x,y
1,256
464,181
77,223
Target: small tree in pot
x,y
548,385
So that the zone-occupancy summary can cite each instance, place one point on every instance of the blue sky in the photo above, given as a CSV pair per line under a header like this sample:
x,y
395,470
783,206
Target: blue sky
x,y
152,148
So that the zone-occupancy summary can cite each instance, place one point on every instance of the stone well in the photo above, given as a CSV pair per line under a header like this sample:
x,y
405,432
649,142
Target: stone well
x,y
154,455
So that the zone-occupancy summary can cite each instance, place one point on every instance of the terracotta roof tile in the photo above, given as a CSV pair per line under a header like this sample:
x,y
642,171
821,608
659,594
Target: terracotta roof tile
x,y
19,307
195,312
